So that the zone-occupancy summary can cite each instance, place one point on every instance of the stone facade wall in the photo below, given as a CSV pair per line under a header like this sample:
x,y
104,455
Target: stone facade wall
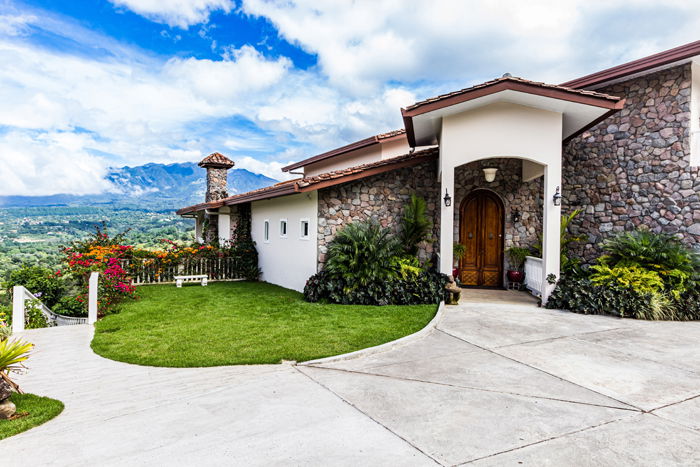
x,y
216,184
381,197
516,196
633,169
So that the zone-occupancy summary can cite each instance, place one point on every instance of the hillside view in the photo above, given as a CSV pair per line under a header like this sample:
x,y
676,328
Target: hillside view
x,y
143,201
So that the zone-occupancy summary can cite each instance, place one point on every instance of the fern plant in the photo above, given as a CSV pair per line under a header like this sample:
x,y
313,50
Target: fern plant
x,y
364,253
678,265
415,225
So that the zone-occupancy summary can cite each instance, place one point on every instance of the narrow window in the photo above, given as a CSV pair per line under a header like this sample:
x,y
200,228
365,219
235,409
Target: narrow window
x,y
283,228
304,229
267,231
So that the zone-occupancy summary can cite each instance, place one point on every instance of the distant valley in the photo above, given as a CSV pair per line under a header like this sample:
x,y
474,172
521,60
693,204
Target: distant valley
x,y
143,201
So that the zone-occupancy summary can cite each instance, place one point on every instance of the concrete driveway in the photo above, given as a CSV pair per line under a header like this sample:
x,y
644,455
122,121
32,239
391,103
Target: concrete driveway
x,y
498,382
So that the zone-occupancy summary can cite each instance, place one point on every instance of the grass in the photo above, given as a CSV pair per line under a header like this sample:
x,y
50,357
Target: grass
x,y
229,323
39,410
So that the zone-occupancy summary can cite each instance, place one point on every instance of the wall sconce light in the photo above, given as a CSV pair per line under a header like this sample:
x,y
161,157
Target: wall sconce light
x,y
557,198
490,174
516,216
448,199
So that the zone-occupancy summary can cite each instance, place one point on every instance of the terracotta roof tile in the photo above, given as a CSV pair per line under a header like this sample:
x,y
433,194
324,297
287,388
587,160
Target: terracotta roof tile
x,y
216,160
513,79
307,184
417,157
363,143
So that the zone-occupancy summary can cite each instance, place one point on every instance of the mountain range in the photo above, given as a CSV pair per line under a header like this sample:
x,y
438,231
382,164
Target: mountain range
x,y
153,186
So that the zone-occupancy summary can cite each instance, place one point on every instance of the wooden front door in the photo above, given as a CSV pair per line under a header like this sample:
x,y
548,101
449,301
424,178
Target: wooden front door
x,y
481,232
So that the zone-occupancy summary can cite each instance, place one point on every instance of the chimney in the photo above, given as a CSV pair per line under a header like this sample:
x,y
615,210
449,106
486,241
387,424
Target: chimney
x,y
217,166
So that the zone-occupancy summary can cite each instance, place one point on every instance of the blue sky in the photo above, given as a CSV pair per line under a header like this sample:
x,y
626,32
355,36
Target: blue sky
x,y
86,85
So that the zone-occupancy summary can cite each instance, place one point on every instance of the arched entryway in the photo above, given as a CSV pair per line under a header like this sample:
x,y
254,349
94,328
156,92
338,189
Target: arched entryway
x,y
481,232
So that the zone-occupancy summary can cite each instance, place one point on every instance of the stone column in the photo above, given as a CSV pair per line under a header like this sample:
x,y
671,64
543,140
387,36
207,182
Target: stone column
x,y
217,166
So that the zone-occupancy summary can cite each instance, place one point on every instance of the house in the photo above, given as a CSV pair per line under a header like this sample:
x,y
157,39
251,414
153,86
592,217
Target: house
x,y
498,163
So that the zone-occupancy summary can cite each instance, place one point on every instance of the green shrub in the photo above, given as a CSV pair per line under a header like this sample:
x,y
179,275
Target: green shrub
x,y
581,295
425,288
38,280
364,253
71,306
415,225
34,318
688,305
675,263
632,277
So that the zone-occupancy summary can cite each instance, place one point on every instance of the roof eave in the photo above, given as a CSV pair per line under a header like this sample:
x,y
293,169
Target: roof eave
x,y
677,54
335,152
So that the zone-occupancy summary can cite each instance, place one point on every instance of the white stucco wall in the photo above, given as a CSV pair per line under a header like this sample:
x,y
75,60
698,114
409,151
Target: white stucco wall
x,y
288,261
503,130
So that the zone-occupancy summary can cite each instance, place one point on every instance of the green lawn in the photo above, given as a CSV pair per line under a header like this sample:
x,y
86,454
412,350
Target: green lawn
x,y
38,409
228,323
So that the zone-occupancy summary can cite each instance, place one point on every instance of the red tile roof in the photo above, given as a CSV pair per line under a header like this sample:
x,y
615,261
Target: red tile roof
x,y
667,57
363,143
216,160
511,79
316,182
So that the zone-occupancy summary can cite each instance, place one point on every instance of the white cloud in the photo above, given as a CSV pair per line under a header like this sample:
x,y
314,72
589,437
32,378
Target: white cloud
x,y
45,164
176,13
269,169
131,107
363,44
15,24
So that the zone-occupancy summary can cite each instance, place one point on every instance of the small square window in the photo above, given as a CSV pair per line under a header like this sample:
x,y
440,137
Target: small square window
x,y
266,235
283,228
304,229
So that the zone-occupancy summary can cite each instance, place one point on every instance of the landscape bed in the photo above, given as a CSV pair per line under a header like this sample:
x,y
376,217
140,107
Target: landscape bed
x,y
229,323
38,410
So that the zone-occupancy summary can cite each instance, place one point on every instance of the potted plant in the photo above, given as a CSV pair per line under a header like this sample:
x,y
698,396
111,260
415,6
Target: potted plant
x,y
458,251
516,256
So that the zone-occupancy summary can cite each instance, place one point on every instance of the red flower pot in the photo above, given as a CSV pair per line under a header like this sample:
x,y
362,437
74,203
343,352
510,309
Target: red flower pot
x,y
516,276
455,273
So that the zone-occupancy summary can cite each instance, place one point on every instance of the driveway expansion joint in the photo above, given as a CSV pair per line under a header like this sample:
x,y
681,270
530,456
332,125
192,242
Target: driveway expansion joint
x,y
639,409
366,414
472,388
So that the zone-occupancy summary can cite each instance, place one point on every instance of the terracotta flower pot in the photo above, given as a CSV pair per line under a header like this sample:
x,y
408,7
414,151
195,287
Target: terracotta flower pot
x,y
516,276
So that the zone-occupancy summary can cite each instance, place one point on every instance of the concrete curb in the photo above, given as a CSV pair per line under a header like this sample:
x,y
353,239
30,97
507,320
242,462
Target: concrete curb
x,y
387,345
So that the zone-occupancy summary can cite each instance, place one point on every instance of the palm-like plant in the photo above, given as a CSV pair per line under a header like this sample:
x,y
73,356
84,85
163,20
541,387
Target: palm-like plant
x,y
12,354
364,253
415,224
658,252
565,239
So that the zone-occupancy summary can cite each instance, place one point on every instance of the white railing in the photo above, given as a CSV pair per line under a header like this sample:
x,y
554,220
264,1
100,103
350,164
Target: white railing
x,y
216,268
533,274
20,295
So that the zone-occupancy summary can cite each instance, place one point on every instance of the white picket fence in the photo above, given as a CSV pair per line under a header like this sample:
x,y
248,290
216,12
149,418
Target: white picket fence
x,y
214,268
20,296
533,274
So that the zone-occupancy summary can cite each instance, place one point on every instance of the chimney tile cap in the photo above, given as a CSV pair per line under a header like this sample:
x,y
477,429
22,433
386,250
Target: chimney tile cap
x,y
217,161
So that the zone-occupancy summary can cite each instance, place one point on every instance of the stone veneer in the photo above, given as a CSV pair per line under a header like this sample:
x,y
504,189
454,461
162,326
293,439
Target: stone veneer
x,y
381,197
384,196
633,168
516,195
